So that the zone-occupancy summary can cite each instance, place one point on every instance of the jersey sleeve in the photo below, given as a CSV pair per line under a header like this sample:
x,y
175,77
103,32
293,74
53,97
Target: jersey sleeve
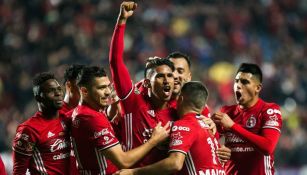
x,y
23,147
119,71
101,132
271,118
25,140
182,138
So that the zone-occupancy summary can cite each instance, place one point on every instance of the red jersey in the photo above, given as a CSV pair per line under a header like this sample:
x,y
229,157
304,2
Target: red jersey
x,y
68,112
2,167
91,133
65,108
190,138
261,116
139,116
42,146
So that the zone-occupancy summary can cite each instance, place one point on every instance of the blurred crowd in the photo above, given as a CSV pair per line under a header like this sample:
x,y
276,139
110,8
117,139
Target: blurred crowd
x,y
218,35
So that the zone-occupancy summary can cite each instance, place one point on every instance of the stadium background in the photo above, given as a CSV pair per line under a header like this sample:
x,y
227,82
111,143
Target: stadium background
x,y
48,35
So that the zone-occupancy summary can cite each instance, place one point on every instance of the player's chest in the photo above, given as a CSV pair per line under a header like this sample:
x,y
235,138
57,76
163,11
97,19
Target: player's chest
x,y
249,120
54,138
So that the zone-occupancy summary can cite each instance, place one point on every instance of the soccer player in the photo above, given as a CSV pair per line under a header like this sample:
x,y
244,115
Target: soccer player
x,y
42,142
182,75
72,94
141,111
192,148
252,126
94,142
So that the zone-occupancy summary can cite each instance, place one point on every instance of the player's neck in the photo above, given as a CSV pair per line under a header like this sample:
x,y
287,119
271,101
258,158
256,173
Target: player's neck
x,y
49,113
250,104
185,110
157,103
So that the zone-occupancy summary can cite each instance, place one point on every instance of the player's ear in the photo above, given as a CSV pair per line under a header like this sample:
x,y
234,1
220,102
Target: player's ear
x,y
68,84
258,88
83,91
146,83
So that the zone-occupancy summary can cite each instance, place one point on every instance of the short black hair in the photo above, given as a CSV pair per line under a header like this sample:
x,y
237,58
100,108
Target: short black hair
x,y
195,93
153,63
39,79
251,68
71,73
88,73
176,55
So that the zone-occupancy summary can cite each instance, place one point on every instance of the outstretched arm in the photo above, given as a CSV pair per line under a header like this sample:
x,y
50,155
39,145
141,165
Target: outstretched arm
x,y
119,71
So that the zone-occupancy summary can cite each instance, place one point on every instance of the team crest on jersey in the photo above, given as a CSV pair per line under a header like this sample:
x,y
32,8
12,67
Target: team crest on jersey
x,y
251,122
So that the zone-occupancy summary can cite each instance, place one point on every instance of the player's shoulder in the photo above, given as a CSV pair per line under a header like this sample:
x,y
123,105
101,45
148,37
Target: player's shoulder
x,y
33,124
270,108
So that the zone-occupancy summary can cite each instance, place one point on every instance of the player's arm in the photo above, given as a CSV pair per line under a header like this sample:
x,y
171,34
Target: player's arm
x,y
119,71
23,146
169,165
265,142
126,159
21,163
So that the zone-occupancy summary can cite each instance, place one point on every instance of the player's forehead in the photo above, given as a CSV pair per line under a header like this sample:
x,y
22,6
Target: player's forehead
x,y
50,84
163,69
102,81
244,75
180,62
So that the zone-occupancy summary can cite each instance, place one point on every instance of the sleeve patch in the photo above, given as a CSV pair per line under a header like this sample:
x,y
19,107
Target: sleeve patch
x,y
273,121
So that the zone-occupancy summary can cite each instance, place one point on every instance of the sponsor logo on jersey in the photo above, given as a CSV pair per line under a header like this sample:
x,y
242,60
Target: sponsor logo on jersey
x,y
242,149
272,111
107,140
59,144
180,128
233,138
103,132
151,113
176,139
61,156
273,121
251,122
50,134
211,172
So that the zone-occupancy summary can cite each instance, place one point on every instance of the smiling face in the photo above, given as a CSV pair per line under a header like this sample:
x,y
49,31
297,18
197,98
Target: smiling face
x,y
99,92
51,94
246,88
162,82
182,74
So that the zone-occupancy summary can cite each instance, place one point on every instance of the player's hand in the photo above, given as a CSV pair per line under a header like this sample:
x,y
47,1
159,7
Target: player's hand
x,y
210,123
126,10
223,119
160,133
223,154
124,172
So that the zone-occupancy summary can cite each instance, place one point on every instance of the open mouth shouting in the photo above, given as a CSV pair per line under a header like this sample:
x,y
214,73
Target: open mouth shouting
x,y
238,95
167,90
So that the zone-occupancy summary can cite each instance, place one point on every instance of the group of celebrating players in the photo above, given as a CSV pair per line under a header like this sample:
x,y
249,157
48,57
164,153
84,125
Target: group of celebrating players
x,y
160,125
